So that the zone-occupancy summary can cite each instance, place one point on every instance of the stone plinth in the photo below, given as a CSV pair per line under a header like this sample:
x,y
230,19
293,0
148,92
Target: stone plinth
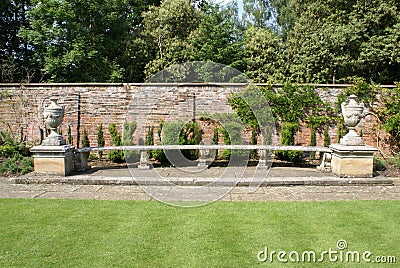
x,y
352,161
144,160
53,160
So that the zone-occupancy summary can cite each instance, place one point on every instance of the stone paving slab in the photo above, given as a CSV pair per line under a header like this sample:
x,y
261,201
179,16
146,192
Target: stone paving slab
x,y
55,187
190,181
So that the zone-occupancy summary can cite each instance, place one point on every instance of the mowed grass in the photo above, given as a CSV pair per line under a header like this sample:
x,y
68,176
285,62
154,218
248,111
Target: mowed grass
x,y
68,233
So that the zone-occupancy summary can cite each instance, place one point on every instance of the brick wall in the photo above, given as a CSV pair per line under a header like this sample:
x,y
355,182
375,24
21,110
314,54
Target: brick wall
x,y
89,104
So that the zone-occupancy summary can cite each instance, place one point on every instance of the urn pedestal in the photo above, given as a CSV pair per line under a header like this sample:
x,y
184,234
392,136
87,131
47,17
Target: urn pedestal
x,y
53,156
351,158
53,160
352,161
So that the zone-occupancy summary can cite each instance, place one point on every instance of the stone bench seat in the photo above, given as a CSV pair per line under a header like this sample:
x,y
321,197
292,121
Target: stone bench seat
x,y
204,149
208,147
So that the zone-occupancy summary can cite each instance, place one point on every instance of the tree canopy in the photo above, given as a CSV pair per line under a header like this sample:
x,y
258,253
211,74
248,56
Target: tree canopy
x,y
130,40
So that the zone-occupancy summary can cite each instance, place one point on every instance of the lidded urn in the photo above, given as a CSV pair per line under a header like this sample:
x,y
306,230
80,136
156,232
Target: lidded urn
x,y
352,113
53,116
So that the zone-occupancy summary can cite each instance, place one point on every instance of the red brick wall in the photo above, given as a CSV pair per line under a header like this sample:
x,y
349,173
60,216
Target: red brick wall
x,y
21,108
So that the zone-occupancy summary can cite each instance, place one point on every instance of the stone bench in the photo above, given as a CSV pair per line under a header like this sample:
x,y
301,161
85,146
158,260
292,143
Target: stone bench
x,y
83,153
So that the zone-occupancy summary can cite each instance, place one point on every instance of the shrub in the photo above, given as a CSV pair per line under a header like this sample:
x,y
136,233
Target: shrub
x,y
127,140
313,142
253,141
232,134
17,164
159,154
116,156
215,139
379,165
17,155
190,134
288,131
100,139
10,145
69,135
150,140
85,139
327,138
128,130
394,161
8,150
178,133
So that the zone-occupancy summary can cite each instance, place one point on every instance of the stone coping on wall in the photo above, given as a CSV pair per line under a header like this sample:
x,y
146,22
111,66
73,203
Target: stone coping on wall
x,y
171,84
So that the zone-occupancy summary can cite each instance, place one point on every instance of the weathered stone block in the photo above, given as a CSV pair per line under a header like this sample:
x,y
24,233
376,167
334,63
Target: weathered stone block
x,y
53,160
352,161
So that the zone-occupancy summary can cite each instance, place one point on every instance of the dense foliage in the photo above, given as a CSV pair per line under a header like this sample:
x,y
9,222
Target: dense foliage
x,y
116,156
14,155
129,40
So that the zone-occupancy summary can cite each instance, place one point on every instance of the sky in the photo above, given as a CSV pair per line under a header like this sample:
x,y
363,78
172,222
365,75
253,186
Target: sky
x,y
224,2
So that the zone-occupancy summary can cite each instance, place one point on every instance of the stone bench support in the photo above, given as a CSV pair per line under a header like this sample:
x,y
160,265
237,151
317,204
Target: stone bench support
x,y
265,152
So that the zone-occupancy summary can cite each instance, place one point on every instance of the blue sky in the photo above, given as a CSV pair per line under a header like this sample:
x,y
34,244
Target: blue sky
x,y
240,4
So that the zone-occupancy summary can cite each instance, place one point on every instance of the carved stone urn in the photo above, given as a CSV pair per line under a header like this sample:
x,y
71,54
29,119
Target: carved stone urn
x,y
352,113
53,115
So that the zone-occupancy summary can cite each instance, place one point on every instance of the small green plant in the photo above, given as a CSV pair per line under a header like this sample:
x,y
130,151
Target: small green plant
x,y
288,131
379,165
339,132
17,164
10,145
128,130
253,141
93,157
327,138
150,140
100,139
16,154
159,154
85,139
127,139
232,134
116,156
191,134
313,141
69,135
215,139
178,133
394,161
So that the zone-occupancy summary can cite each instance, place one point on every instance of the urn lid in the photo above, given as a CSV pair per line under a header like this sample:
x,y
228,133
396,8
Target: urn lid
x,y
54,106
352,102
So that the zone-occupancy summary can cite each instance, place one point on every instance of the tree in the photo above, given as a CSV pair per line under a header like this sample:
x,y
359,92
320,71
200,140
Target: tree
x,y
15,64
82,41
264,55
166,29
258,13
217,38
336,39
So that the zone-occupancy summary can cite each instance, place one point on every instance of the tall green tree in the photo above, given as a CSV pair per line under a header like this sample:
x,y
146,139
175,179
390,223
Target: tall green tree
x,y
259,13
265,55
274,14
166,32
15,64
82,40
335,39
218,37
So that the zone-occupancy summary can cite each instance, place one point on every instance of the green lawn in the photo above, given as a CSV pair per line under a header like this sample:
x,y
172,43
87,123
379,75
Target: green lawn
x,y
67,233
